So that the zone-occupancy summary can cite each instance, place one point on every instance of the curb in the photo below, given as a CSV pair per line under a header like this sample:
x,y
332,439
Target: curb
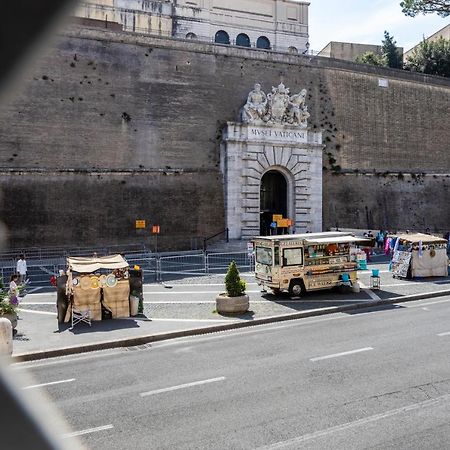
x,y
141,340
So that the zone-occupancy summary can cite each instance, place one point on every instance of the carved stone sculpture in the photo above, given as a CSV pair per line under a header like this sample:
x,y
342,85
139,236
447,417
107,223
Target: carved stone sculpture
x,y
256,106
277,107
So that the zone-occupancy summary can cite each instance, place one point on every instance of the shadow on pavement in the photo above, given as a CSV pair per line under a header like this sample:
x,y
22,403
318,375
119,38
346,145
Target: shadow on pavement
x,y
102,326
249,315
373,309
322,299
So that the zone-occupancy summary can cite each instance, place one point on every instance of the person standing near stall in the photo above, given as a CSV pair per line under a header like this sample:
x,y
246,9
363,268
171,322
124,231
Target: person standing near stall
x,y
22,268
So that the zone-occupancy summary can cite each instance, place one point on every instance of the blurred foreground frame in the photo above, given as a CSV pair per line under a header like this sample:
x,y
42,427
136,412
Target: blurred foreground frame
x,y
28,419
26,26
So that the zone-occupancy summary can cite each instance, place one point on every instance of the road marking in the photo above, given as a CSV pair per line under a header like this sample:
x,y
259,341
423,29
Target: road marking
x,y
447,333
189,320
37,303
369,292
34,290
181,386
88,430
37,312
191,292
174,285
405,305
336,355
294,443
49,384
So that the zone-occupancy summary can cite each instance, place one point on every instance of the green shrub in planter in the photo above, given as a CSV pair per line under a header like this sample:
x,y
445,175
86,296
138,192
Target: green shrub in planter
x,y
234,285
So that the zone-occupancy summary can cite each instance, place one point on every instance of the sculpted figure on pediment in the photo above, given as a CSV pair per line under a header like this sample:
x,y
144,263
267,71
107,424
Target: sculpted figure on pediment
x,y
255,109
298,111
277,107
278,101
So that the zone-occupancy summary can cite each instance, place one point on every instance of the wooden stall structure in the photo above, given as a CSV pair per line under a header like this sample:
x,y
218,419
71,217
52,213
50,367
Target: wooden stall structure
x,y
99,286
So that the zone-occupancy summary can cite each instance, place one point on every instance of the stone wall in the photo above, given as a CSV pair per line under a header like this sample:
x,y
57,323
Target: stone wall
x,y
131,126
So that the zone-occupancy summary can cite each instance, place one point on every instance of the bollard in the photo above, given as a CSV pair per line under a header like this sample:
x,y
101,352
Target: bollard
x,y
6,337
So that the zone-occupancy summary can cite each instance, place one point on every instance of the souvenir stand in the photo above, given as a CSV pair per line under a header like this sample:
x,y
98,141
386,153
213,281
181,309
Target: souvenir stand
x,y
100,285
419,255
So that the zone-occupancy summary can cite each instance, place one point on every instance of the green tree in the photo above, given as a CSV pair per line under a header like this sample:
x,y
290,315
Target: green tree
x,y
431,57
390,52
371,58
414,7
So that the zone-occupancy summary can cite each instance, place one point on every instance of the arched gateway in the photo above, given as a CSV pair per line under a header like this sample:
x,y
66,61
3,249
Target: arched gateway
x,y
272,166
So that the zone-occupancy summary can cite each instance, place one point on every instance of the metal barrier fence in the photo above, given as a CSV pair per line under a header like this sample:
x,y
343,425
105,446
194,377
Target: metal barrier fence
x,y
156,268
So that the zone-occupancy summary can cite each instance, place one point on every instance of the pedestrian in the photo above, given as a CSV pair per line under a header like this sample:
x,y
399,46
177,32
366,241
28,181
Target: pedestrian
x,y
22,268
380,240
13,292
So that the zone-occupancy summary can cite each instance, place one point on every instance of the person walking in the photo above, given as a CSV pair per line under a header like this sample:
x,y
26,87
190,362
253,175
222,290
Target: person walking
x,y
380,241
22,268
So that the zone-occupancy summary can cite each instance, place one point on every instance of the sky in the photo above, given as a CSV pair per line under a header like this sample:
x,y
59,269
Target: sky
x,y
364,21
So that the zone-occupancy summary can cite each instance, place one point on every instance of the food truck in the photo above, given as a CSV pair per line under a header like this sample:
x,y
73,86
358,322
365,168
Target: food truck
x,y
305,262
419,255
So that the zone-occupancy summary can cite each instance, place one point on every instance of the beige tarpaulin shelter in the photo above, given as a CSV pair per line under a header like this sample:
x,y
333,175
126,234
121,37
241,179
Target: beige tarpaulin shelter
x,y
89,290
89,265
423,255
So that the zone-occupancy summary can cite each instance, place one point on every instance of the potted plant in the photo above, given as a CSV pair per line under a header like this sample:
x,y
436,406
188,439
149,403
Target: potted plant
x,y
234,300
8,307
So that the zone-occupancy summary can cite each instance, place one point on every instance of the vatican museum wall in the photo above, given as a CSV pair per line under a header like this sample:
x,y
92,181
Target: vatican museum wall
x,y
108,128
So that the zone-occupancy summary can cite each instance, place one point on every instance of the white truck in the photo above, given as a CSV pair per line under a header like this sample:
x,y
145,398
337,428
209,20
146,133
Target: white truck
x,y
305,262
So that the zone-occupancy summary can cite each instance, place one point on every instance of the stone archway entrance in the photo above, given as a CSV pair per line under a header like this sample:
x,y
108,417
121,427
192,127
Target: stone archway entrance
x,y
272,164
273,199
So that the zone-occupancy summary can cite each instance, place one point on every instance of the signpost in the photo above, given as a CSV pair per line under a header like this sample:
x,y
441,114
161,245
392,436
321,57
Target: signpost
x,y
156,230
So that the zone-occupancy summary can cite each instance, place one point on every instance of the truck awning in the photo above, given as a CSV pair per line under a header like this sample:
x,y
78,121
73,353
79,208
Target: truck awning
x,y
338,240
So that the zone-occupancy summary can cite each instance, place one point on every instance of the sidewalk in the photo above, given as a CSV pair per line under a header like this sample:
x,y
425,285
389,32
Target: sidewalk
x,y
187,306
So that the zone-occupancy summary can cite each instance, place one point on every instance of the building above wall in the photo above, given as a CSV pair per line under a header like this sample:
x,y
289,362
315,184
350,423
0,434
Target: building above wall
x,y
280,25
349,51
442,33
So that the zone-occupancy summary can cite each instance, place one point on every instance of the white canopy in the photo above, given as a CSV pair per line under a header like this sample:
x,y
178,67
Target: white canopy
x,y
88,265
336,240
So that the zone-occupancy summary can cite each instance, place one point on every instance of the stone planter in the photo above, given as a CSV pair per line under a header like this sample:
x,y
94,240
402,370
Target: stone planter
x,y
12,318
232,305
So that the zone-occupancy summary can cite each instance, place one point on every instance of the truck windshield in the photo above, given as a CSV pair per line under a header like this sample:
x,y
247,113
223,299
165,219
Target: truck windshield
x,y
264,255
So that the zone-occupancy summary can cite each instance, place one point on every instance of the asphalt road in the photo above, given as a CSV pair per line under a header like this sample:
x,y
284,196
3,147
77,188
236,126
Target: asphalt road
x,y
374,379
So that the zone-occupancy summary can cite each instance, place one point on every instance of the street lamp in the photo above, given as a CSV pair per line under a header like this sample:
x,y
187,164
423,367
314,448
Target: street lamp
x,y
305,52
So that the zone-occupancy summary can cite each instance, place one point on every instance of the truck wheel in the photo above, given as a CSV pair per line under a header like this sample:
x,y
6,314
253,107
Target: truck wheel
x,y
276,291
296,288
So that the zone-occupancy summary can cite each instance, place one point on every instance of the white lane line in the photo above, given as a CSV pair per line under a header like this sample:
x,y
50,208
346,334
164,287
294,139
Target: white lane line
x,y
88,430
25,302
191,292
293,443
175,285
447,333
152,319
336,355
181,386
370,293
420,305
49,384
34,290
37,312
